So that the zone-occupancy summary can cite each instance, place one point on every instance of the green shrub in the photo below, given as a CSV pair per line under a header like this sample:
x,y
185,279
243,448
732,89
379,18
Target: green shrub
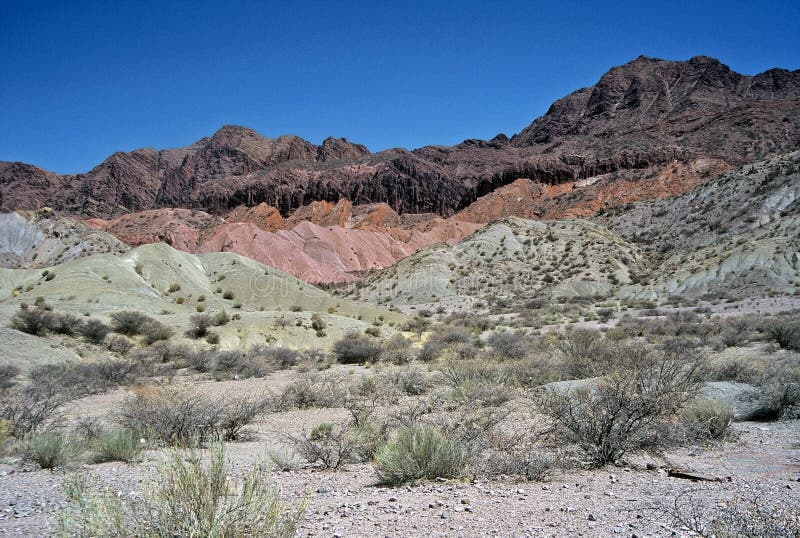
x,y
221,318
49,449
707,419
193,496
118,445
418,453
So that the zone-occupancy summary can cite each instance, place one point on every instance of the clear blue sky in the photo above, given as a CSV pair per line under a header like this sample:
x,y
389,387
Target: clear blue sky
x,y
80,80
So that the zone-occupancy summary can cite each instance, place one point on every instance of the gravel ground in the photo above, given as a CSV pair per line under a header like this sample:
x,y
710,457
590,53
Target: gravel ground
x,y
627,501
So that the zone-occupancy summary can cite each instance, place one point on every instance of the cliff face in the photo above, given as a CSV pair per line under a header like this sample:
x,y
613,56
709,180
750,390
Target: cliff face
x,y
644,114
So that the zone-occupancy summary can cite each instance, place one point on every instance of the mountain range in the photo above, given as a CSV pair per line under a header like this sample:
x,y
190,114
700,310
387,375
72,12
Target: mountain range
x,y
644,114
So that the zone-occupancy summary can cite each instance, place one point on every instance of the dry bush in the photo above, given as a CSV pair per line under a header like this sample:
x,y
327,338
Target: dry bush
x,y
410,379
398,350
182,417
441,340
193,496
35,321
200,325
78,378
316,389
355,348
155,332
65,323
626,410
326,444
783,331
746,514
8,375
509,345
119,344
31,407
95,331
129,322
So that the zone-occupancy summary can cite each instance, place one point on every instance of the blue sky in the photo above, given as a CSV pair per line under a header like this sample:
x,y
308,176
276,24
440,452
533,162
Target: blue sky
x,y
80,80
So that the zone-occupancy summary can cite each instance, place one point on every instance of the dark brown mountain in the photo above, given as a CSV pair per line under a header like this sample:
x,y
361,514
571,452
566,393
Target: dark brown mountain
x,y
637,119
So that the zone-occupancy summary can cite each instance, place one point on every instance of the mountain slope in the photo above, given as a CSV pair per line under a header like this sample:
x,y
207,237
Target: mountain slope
x,y
637,119
41,238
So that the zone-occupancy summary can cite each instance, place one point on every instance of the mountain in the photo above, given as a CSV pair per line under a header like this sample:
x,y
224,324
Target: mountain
x,y
733,237
638,120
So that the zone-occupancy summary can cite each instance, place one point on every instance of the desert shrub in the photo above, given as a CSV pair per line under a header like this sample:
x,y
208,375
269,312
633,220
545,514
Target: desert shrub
x,y
778,400
440,340
284,459
784,332
315,389
212,338
221,318
480,393
535,466
251,363
578,344
49,449
129,322
398,350
199,325
745,515
117,445
421,453
455,371
119,344
8,374
95,330
410,379
278,357
227,295
605,314
65,323
706,419
78,378
193,496
354,348
509,344
625,411
31,407
317,323
35,321
329,445
184,417
155,331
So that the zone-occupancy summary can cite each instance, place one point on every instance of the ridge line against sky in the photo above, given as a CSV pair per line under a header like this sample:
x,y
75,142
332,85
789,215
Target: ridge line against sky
x,y
82,80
